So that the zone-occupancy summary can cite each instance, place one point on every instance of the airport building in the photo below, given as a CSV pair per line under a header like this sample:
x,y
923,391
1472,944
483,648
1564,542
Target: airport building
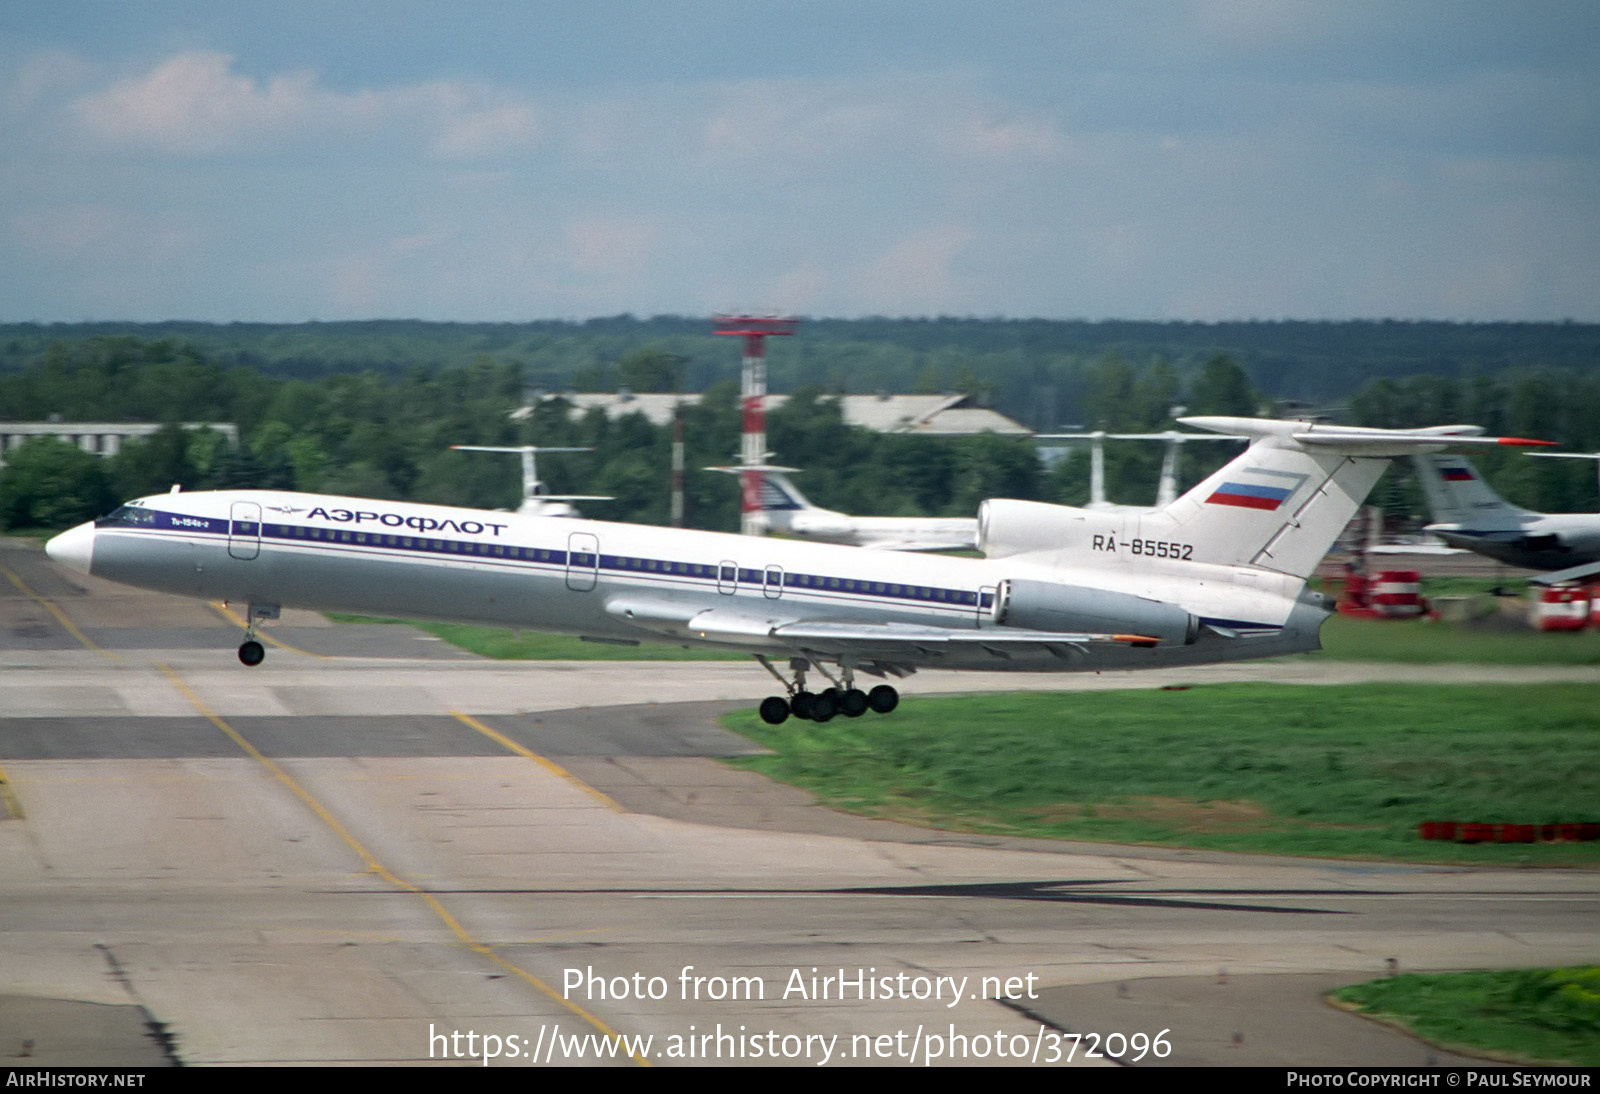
x,y
97,438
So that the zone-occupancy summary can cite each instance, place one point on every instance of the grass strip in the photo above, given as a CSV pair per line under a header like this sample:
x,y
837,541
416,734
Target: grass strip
x,y
1549,1016
505,645
1497,642
1344,771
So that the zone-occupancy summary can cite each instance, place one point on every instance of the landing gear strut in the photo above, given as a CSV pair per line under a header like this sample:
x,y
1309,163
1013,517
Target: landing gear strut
x,y
252,652
843,697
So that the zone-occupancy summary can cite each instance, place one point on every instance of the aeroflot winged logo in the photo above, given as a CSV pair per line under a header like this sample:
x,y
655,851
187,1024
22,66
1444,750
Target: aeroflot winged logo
x,y
1270,490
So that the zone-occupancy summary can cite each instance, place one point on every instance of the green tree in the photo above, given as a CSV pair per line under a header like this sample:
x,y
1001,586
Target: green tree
x,y
651,369
48,483
154,464
1223,388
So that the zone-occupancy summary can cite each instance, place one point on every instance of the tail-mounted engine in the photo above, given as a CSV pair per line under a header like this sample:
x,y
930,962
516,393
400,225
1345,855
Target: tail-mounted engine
x,y
1008,527
1047,606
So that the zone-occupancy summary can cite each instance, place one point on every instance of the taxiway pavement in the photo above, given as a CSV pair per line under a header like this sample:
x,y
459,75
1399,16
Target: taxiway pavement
x,y
409,855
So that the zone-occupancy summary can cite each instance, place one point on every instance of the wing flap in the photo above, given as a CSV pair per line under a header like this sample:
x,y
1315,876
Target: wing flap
x,y
882,641
891,640
951,544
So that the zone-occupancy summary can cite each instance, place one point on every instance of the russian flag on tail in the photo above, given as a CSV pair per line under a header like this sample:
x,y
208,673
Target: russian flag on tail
x,y
1255,495
1248,495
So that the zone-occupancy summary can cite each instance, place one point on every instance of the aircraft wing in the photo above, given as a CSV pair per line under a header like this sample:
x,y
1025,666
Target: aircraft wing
x,y
891,642
899,641
1584,572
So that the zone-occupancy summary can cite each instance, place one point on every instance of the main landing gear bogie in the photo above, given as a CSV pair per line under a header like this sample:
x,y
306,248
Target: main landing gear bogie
x,y
824,705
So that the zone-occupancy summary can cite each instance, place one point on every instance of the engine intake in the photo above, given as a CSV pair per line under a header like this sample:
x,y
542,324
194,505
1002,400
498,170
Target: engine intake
x,y
1009,527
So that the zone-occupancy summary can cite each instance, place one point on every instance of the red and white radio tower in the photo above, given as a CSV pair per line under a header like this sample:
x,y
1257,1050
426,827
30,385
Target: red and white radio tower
x,y
753,445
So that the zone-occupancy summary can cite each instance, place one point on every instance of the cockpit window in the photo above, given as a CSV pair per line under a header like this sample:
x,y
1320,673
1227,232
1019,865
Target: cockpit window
x,y
129,514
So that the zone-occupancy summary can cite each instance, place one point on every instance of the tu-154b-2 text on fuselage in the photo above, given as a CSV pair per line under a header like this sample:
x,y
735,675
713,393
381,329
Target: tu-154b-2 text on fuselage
x,y
1218,575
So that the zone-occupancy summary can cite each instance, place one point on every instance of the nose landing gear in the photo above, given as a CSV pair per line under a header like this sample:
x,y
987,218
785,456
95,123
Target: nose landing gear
x,y
252,652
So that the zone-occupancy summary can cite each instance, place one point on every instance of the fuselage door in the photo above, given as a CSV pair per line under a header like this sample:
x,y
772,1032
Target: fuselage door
x,y
772,588
244,530
991,607
727,578
583,561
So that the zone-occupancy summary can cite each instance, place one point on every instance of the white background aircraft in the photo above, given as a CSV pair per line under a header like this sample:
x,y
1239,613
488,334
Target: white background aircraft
x,y
785,511
1468,513
537,501
1218,575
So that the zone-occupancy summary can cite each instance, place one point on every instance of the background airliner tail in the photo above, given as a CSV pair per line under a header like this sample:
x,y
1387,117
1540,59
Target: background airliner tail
x,y
1458,495
779,494
1282,504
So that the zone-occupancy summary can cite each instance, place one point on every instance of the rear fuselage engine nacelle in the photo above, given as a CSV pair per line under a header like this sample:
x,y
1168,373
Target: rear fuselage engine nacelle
x,y
1009,527
1048,606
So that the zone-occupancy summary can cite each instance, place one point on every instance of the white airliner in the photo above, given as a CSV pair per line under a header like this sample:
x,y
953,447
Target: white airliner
x,y
785,511
537,501
1218,575
1468,513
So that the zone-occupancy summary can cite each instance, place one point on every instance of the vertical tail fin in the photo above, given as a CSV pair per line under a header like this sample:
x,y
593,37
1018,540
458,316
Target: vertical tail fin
x,y
1458,495
1279,506
778,493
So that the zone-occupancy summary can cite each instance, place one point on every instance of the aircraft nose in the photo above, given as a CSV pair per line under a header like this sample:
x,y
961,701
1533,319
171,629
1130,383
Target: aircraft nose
x,y
73,548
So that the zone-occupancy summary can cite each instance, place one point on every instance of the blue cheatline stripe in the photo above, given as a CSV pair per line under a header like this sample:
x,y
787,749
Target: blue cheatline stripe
x,y
557,558
1239,624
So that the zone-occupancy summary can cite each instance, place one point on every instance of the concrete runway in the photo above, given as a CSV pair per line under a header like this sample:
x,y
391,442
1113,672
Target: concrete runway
x,y
368,850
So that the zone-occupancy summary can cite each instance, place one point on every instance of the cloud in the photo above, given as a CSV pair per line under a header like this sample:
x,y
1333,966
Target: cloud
x,y
831,119
198,104
195,103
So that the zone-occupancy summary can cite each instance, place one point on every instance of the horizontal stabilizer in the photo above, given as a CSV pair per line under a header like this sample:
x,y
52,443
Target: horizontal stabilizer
x,y
1356,440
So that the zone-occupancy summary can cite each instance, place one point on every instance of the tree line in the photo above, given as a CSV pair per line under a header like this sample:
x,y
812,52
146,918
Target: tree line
x,y
386,434
1036,371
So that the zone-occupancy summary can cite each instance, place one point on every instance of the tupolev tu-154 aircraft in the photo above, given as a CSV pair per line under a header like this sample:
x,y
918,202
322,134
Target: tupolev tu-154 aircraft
x,y
1218,575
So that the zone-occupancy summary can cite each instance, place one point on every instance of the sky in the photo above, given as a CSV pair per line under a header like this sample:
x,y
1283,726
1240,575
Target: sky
x,y
479,160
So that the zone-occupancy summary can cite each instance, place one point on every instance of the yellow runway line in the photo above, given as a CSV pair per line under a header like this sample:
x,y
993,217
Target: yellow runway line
x,y
61,616
233,617
554,768
377,868
10,804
